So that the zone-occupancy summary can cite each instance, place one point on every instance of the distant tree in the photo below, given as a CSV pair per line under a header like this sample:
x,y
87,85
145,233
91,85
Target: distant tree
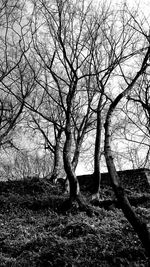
x,y
25,164
45,115
52,135
13,68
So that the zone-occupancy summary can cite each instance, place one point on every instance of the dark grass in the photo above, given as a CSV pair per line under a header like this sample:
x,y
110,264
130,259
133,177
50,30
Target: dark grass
x,y
34,231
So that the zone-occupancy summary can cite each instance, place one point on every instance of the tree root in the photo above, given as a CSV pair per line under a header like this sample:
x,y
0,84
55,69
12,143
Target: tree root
x,y
76,205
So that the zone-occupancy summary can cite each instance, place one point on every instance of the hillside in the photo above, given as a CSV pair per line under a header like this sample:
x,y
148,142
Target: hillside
x,y
35,229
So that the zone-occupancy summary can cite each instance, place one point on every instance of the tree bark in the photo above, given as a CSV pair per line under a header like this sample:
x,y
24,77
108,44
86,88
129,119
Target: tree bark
x,y
71,176
56,168
138,225
97,157
76,155
97,152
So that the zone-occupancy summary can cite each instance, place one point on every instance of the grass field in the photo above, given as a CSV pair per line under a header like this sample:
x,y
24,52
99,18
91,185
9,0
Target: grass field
x,y
35,232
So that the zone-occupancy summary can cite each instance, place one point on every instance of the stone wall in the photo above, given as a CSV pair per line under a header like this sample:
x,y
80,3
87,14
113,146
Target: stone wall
x,y
138,179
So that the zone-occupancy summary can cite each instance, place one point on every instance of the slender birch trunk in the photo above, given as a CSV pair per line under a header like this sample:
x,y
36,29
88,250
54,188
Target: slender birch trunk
x,y
138,225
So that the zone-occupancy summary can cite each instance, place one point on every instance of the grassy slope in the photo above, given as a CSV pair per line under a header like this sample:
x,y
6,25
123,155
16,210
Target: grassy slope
x,y
34,231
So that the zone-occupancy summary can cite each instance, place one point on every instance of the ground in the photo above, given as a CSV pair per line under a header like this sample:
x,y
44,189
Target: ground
x,y
36,231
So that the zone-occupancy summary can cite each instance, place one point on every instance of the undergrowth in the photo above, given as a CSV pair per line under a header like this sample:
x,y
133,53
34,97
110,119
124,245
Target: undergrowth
x,y
34,231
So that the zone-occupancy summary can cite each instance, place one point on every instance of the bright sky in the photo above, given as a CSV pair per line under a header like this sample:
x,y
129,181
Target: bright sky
x,y
144,5
144,8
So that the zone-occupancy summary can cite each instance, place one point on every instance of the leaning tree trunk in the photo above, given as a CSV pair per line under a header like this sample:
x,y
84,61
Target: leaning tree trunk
x,y
138,225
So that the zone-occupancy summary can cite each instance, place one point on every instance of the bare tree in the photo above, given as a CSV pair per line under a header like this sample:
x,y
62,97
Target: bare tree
x,y
139,118
68,62
13,69
110,52
131,81
26,165
52,143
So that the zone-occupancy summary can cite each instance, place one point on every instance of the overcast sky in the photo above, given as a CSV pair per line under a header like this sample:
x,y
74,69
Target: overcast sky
x,y
144,7
143,4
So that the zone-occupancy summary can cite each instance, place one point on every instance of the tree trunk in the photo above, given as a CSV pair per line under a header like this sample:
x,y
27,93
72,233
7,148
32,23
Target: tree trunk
x,y
97,152
97,156
73,181
56,168
138,225
76,155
